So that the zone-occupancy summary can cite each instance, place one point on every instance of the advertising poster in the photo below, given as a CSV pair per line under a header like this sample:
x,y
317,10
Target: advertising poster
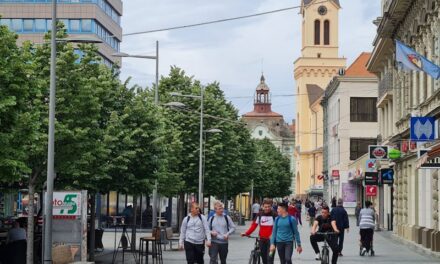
x,y
349,194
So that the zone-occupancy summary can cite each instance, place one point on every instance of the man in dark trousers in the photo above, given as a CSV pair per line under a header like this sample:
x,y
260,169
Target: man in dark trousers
x,y
340,215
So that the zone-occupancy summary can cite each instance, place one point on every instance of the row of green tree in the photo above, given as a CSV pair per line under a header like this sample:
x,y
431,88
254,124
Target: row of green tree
x,y
111,136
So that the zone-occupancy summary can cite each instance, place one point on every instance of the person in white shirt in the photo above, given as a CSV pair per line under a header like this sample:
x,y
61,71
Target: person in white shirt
x,y
255,209
221,227
193,233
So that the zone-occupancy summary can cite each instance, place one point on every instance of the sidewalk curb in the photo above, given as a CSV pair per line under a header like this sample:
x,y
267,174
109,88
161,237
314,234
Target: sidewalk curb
x,y
416,247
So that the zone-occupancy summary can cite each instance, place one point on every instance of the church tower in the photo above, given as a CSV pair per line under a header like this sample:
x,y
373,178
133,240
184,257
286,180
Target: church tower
x,y
318,63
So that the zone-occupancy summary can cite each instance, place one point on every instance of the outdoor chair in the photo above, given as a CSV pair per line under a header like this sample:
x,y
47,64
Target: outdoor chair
x,y
170,237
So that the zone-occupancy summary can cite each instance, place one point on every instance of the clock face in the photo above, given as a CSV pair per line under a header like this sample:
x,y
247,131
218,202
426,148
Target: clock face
x,y
322,10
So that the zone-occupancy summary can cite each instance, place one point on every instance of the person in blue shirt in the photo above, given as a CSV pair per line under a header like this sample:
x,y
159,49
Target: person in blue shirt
x,y
285,231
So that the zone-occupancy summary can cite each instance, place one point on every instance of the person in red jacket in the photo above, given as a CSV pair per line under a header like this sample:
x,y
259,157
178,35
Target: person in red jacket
x,y
265,220
292,209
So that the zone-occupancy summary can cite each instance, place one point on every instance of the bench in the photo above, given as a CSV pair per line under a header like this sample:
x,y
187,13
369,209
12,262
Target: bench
x,y
170,237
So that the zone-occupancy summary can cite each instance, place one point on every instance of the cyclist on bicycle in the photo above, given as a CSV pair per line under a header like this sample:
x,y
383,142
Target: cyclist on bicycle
x,y
325,224
265,220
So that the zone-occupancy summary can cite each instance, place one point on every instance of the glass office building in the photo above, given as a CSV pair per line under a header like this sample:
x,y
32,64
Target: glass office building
x,y
30,19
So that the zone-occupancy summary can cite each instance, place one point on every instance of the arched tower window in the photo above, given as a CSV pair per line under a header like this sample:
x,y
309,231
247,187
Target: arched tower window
x,y
317,32
326,32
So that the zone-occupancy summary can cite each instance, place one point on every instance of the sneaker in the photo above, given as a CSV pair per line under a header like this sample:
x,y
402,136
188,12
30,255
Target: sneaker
x,y
364,250
318,257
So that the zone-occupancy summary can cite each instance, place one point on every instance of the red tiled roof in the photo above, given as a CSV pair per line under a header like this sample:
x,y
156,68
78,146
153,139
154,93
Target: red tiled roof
x,y
359,67
257,114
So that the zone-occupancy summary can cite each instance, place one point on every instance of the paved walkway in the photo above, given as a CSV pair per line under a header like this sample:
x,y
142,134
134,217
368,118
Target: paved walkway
x,y
387,251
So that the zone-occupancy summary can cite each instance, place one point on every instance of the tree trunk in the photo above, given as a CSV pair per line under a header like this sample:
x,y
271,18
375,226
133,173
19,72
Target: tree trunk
x,y
92,227
133,229
30,225
181,210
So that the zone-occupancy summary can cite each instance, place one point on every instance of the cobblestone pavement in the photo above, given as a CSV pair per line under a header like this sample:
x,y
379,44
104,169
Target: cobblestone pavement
x,y
388,250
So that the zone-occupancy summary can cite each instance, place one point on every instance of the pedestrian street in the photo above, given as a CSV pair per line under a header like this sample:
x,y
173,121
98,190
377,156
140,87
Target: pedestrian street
x,y
388,250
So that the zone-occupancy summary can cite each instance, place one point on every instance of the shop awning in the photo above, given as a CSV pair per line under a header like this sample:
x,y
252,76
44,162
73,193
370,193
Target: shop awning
x,y
434,152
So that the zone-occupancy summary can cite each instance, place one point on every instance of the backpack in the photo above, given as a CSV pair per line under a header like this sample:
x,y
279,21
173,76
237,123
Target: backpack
x,y
212,219
188,218
276,227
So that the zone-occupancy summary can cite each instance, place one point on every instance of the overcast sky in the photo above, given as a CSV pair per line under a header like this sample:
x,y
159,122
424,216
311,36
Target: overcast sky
x,y
234,53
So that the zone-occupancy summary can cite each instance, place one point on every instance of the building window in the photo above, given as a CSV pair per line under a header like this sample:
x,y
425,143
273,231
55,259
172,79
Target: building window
x,y
40,25
326,32
317,32
28,25
363,109
359,146
86,25
75,25
17,24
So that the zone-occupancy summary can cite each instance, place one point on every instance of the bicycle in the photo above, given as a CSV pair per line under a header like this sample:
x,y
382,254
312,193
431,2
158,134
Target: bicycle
x,y
325,252
256,252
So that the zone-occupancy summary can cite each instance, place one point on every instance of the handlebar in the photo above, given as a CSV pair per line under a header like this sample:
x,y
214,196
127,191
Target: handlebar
x,y
254,237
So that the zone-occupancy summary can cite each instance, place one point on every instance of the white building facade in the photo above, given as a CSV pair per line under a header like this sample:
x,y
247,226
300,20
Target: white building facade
x,y
350,125
415,193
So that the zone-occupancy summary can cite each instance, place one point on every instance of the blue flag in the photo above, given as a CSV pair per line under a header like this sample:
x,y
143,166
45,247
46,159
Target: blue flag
x,y
409,59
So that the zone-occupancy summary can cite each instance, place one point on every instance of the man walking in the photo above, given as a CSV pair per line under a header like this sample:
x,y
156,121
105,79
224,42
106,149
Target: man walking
x,y
221,227
340,215
255,209
266,221
312,213
193,233
284,233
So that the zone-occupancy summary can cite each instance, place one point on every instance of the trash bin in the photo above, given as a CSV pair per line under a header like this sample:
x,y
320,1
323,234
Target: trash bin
x,y
98,239
241,220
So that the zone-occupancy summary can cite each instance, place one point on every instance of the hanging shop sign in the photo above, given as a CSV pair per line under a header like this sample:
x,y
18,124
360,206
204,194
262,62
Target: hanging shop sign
x,y
378,152
387,176
371,178
422,128
371,165
371,190
335,174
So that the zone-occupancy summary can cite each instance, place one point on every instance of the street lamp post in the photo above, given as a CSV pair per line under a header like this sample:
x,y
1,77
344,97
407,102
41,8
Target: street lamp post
x,y
214,130
211,130
156,101
200,197
47,248
51,141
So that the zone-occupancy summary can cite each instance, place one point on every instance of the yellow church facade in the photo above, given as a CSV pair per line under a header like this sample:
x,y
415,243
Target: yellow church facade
x,y
318,64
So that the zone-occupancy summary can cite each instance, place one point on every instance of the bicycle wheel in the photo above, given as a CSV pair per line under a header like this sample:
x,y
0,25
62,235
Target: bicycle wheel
x,y
254,258
325,258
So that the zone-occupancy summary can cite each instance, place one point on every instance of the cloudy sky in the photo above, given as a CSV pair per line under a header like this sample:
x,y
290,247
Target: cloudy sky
x,y
234,53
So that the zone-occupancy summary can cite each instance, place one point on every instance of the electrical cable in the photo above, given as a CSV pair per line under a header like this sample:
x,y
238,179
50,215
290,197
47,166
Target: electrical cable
x,y
219,20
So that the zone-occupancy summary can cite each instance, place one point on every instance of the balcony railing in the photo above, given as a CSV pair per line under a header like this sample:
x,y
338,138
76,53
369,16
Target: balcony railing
x,y
386,5
385,85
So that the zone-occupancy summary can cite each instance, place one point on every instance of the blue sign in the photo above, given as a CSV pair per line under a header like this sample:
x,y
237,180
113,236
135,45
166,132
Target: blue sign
x,y
387,176
422,128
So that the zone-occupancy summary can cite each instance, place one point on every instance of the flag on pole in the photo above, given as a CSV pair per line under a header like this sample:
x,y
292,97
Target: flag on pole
x,y
409,59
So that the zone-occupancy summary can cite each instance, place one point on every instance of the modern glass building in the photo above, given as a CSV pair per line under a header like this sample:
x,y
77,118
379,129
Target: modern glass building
x,y
82,18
